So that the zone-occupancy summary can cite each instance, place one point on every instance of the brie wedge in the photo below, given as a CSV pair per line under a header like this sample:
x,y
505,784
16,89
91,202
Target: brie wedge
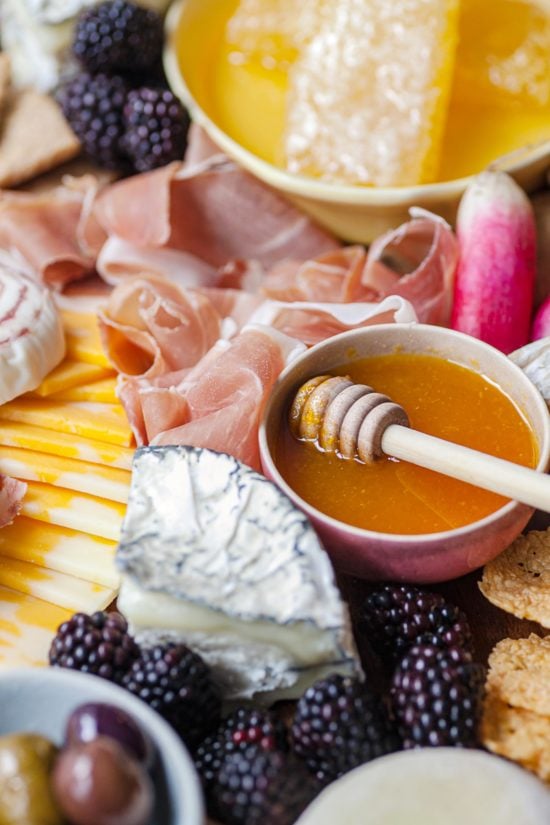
x,y
216,556
32,341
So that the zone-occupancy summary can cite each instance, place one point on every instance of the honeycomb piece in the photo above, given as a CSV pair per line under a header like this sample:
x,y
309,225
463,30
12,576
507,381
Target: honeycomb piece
x,y
369,91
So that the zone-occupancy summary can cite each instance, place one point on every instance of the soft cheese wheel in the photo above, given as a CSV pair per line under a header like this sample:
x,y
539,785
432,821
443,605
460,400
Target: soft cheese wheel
x,y
32,341
369,92
431,787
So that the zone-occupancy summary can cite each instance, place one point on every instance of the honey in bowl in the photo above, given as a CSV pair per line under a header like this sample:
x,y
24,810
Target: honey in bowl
x,y
249,66
441,398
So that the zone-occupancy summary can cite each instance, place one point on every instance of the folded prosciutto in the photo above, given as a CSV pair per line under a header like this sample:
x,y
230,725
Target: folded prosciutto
x,y
11,496
210,212
54,234
196,366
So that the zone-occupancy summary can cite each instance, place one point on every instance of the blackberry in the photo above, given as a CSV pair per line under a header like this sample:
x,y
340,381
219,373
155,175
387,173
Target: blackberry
x,y
436,696
242,728
399,616
156,127
255,786
93,106
118,36
98,644
340,724
176,682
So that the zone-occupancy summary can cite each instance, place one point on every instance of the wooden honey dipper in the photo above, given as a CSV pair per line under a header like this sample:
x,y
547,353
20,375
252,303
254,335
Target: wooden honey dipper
x,y
357,422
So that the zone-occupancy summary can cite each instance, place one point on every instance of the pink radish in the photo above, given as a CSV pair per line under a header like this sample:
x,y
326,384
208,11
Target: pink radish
x,y
495,279
541,323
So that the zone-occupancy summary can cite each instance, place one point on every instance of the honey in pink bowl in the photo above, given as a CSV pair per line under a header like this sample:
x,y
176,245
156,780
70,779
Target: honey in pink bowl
x,y
441,398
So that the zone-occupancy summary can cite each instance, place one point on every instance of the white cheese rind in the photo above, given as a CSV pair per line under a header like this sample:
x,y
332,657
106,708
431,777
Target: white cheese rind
x,y
203,532
32,341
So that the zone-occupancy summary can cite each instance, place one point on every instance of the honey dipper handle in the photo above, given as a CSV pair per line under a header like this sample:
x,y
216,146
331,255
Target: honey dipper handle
x,y
503,477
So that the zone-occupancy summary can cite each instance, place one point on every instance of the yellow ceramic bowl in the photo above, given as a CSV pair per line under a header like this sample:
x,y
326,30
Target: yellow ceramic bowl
x,y
353,213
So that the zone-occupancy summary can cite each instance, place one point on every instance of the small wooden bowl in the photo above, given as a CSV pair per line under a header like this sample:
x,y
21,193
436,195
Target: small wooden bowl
x,y
430,557
354,213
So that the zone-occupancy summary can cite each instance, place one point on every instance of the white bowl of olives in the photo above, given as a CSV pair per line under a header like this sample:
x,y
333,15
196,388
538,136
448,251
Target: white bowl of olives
x,y
77,748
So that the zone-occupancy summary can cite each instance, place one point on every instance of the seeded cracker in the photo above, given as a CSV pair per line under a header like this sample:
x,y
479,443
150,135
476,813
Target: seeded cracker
x,y
519,579
519,673
34,137
517,734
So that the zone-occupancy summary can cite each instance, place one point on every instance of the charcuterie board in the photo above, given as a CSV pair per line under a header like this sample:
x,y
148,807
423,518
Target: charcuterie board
x,y
211,322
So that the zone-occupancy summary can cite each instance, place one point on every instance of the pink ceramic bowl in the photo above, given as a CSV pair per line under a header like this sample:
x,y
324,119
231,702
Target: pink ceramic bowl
x,y
429,557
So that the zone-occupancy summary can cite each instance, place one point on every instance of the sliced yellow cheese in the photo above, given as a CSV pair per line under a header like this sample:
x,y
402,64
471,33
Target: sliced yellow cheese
x,y
27,626
57,588
89,514
13,434
71,374
94,479
103,422
83,339
103,391
58,548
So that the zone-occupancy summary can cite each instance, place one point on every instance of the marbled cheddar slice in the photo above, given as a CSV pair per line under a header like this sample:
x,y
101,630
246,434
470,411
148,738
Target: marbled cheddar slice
x,y
94,479
71,374
27,626
88,514
56,588
13,434
83,341
58,548
104,422
103,391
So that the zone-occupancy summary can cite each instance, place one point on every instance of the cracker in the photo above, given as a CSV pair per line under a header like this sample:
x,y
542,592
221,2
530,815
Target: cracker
x,y
517,734
34,137
518,580
519,673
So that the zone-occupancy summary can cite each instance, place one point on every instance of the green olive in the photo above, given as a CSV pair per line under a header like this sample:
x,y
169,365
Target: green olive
x,y
26,761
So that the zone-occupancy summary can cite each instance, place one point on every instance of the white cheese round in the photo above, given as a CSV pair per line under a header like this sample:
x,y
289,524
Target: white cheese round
x,y
433,786
32,341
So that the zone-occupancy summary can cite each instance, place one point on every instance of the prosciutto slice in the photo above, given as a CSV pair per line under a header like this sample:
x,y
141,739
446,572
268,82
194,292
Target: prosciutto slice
x,y
210,209
152,327
55,234
417,261
11,496
210,392
225,398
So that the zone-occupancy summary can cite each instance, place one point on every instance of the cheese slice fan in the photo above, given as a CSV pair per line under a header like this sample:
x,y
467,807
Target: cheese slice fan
x,y
89,514
40,439
59,548
27,626
95,479
104,422
57,588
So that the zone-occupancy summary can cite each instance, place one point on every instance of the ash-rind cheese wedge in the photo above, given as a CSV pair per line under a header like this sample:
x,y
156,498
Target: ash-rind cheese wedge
x,y
215,555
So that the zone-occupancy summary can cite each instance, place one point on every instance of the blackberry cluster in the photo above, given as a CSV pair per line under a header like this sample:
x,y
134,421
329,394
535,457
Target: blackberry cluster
x,y
256,786
244,727
99,644
170,678
340,724
176,682
118,36
436,697
118,105
93,105
156,127
397,617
